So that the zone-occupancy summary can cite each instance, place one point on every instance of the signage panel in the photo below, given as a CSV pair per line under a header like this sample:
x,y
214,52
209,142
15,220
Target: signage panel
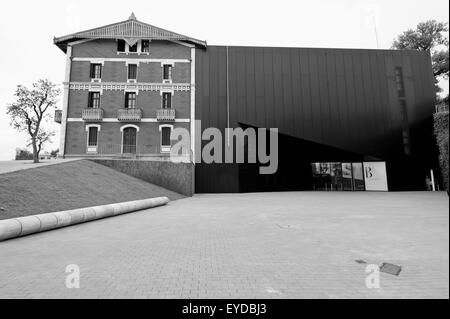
x,y
375,176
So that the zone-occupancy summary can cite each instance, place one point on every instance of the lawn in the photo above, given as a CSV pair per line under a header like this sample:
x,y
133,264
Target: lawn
x,y
70,185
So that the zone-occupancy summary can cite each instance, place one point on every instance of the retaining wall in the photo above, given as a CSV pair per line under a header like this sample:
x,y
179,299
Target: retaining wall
x,y
177,177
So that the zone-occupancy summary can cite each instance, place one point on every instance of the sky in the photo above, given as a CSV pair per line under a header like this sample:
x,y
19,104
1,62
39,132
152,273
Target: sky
x,y
27,29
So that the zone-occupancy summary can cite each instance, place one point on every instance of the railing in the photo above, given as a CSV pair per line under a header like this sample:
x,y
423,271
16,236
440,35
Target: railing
x,y
148,152
165,115
129,115
58,116
122,150
92,114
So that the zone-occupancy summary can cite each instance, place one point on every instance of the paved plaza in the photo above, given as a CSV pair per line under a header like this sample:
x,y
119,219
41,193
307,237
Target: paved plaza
x,y
259,245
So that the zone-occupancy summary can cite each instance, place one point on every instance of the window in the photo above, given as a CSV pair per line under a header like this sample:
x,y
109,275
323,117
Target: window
x,y
130,100
167,72
132,71
92,136
145,46
399,82
165,136
133,48
405,127
96,71
166,100
94,100
120,45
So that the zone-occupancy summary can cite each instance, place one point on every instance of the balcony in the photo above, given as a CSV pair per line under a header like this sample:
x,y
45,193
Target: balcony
x,y
165,115
58,116
92,114
129,115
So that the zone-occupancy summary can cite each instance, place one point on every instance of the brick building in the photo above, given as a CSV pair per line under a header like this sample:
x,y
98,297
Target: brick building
x,y
126,86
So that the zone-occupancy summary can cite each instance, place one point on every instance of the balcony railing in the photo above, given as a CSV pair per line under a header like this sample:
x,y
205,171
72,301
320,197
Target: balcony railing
x,y
92,114
129,115
165,115
58,116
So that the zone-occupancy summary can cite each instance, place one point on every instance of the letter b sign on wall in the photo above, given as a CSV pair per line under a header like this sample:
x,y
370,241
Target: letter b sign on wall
x,y
375,176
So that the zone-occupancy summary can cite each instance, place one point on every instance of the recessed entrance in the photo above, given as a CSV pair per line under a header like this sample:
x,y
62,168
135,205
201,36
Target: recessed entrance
x,y
129,140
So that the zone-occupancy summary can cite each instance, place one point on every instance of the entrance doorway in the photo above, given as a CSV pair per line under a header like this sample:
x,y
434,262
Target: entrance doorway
x,y
129,140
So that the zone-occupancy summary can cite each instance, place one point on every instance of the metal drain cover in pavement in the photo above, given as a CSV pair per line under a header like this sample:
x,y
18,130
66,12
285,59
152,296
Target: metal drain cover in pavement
x,y
390,269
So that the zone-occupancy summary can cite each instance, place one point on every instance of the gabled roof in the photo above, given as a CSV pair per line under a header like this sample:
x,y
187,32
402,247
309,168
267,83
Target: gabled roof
x,y
130,30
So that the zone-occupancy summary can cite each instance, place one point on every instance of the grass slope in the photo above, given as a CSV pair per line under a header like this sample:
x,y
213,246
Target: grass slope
x,y
70,185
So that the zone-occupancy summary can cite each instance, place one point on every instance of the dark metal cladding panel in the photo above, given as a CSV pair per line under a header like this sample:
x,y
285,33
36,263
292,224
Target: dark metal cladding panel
x,y
341,98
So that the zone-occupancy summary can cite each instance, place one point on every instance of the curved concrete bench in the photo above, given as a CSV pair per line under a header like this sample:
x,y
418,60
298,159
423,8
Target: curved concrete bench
x,y
21,226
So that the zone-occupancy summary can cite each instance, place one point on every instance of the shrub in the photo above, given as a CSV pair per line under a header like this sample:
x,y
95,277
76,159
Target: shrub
x,y
441,133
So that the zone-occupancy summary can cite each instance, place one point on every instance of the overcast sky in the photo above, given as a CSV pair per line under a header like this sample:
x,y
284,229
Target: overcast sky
x,y
27,29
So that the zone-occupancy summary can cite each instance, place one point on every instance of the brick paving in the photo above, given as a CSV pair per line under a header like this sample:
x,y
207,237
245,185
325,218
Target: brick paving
x,y
263,245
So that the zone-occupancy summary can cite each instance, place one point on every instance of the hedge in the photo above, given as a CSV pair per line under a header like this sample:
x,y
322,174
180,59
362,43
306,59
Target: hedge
x,y
441,133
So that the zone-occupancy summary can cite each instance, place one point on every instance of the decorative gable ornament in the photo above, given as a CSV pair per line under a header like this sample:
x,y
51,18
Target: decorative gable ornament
x,y
130,30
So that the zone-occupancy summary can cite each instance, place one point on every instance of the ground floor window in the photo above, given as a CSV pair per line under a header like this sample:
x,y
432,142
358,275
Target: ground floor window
x,y
92,137
165,138
129,138
337,176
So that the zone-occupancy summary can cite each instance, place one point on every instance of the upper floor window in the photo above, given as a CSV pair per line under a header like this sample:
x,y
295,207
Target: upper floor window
x,y
94,100
130,100
132,48
145,46
399,82
96,71
120,45
167,72
132,71
166,100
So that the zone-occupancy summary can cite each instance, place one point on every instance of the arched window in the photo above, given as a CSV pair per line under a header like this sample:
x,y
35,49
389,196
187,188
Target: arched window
x,y
129,138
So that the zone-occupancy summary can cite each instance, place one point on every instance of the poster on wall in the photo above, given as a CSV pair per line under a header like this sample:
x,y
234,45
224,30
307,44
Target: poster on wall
x,y
375,176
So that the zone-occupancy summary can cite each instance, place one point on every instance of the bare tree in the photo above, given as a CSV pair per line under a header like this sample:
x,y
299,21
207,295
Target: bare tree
x,y
31,109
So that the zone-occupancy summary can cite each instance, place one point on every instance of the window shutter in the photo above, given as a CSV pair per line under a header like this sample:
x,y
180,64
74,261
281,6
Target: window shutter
x,y
90,99
169,100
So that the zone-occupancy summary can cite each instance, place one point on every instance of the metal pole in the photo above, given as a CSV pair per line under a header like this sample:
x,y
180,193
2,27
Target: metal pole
x,y
376,32
432,180
228,102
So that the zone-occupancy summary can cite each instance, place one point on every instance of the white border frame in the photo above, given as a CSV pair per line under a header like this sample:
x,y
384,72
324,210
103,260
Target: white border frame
x,y
121,139
87,127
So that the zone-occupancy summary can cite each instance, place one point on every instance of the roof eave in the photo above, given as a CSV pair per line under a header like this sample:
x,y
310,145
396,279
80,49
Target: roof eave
x,y
62,42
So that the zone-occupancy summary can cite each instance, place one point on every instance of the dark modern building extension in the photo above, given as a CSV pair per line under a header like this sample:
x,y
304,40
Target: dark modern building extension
x,y
347,119
334,109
